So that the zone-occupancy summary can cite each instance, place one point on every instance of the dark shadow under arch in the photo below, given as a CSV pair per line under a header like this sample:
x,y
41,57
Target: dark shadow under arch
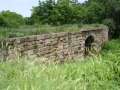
x,y
88,44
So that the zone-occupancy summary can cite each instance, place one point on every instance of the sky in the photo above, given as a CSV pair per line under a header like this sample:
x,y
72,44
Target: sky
x,y
22,7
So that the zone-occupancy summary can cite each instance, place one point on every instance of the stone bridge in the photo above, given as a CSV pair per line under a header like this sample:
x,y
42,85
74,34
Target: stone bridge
x,y
57,46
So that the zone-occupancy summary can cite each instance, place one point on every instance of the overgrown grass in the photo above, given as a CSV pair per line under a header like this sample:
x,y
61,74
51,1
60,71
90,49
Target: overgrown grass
x,y
96,73
40,29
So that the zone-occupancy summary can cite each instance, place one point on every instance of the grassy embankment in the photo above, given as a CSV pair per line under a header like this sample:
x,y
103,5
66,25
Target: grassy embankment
x,y
41,29
96,73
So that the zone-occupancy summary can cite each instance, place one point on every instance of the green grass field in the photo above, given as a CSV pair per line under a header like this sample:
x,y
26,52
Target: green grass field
x,y
100,72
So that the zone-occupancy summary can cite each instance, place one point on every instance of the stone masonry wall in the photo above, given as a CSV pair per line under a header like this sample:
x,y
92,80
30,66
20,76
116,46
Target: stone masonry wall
x,y
65,45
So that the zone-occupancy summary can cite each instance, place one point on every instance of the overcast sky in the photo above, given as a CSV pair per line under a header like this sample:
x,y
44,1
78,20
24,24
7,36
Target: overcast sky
x,y
22,7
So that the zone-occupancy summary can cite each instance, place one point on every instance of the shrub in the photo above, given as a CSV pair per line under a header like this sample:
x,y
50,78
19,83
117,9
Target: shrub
x,y
11,19
111,24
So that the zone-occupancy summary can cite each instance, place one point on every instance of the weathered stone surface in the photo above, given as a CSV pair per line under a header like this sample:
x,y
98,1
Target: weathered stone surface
x,y
63,45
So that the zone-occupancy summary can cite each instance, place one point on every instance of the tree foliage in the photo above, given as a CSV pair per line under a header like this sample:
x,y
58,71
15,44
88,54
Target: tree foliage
x,y
11,19
71,11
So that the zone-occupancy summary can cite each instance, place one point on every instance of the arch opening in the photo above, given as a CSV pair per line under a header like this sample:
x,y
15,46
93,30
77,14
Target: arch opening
x,y
88,44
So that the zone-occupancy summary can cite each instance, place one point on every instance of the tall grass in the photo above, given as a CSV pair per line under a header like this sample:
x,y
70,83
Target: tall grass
x,y
96,73
42,29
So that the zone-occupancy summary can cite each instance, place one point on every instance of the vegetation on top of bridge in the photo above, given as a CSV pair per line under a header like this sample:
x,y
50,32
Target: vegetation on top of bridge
x,y
43,29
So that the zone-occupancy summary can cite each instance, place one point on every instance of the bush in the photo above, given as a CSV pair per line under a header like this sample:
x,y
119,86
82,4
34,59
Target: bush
x,y
11,19
111,24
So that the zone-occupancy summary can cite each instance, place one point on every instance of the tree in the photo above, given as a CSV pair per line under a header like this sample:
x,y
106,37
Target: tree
x,y
95,12
42,13
71,11
112,14
11,19
60,12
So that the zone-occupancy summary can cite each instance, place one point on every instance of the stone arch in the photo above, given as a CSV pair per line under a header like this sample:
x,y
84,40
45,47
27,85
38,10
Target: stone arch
x,y
88,43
